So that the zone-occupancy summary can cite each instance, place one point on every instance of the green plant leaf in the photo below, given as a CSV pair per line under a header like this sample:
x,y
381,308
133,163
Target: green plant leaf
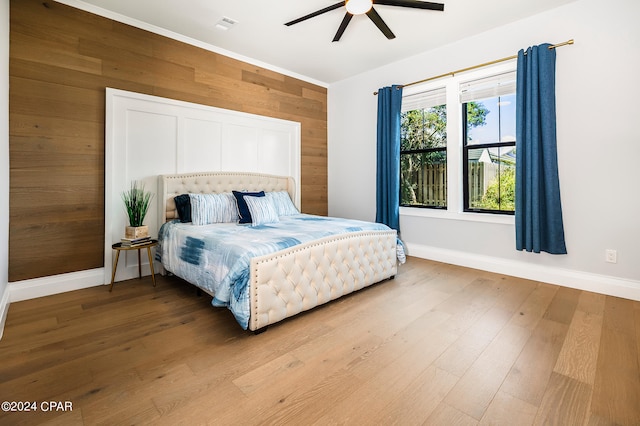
x,y
136,202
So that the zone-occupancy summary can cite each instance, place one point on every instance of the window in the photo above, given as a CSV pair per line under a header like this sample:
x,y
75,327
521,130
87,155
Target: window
x,y
488,144
457,148
423,150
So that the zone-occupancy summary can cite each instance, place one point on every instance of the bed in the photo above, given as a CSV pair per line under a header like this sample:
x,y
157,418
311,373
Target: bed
x,y
277,280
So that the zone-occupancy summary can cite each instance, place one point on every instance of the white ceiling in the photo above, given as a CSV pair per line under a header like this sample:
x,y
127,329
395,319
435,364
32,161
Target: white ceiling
x,y
305,50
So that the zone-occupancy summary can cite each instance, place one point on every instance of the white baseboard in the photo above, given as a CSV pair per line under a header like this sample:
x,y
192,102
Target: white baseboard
x,y
4,309
613,286
46,286
603,284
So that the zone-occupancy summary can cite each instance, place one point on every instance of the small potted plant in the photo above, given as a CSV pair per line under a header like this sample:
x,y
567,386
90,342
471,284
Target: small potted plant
x,y
136,202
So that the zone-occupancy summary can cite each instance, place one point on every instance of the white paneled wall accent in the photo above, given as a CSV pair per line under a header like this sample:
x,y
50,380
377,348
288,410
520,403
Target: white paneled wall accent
x,y
147,136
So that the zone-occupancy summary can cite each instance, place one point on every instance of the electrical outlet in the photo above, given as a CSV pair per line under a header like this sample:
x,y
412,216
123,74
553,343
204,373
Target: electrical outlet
x,y
611,255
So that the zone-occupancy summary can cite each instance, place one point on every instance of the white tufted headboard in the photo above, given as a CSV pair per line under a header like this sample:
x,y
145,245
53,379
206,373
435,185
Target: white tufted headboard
x,y
170,186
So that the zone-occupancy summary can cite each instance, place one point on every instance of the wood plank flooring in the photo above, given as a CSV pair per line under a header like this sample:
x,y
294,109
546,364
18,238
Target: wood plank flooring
x,y
438,345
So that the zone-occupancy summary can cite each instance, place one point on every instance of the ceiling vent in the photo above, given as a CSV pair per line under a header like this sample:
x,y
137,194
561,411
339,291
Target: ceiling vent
x,y
225,23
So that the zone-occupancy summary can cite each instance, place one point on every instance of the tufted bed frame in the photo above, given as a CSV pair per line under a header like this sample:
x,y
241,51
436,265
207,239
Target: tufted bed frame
x,y
301,277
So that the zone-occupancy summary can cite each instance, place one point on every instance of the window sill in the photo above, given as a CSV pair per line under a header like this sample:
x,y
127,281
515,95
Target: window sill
x,y
449,215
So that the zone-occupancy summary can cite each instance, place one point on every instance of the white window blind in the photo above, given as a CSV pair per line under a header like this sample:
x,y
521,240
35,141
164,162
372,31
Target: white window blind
x,y
488,87
423,100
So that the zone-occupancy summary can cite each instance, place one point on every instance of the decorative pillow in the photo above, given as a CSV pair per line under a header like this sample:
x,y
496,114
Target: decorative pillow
x,y
213,208
243,210
183,206
262,210
282,202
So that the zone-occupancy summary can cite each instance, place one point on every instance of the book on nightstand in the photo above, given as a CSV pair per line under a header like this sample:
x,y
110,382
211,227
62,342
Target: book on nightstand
x,y
132,242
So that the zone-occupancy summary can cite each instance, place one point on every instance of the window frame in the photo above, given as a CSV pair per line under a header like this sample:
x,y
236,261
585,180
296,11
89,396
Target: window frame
x,y
454,210
431,95
465,166
424,151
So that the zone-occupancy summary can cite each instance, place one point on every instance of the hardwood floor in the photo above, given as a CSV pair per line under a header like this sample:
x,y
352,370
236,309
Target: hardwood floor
x,y
438,345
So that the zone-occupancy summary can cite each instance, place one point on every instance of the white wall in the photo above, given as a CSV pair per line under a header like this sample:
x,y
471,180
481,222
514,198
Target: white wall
x,y
147,136
598,148
4,161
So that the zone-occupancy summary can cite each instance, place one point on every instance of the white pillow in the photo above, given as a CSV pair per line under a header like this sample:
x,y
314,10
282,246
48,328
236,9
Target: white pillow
x,y
262,210
213,208
282,202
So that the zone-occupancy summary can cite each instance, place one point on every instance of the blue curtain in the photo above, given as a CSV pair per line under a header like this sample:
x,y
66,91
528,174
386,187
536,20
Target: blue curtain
x,y
538,216
388,162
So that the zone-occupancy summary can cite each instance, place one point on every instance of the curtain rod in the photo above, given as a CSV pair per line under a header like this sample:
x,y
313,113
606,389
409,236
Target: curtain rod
x,y
497,61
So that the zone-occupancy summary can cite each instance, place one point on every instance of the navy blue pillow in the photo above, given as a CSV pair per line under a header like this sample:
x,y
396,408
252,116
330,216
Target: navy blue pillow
x,y
243,209
183,206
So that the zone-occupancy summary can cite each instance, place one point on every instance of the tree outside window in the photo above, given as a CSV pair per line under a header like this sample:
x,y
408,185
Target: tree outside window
x,y
423,154
423,157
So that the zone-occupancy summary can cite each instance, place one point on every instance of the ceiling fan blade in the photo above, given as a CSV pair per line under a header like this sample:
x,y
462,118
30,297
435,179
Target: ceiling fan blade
x,y
343,26
416,4
382,26
317,12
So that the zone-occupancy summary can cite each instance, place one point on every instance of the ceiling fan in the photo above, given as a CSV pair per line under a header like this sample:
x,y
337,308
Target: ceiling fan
x,y
361,7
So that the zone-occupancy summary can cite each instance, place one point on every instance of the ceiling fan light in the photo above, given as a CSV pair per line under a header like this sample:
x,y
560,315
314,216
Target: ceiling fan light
x,y
358,7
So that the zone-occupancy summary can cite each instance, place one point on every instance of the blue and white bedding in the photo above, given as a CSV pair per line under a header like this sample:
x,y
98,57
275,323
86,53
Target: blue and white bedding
x,y
216,257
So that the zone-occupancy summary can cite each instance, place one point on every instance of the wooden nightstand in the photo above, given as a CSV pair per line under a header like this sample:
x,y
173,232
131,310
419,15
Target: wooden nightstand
x,y
118,247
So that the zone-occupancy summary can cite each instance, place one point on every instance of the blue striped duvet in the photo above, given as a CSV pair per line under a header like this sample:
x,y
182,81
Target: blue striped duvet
x,y
217,257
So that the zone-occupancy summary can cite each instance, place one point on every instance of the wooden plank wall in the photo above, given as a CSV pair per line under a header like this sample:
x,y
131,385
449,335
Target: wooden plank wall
x,y
61,61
